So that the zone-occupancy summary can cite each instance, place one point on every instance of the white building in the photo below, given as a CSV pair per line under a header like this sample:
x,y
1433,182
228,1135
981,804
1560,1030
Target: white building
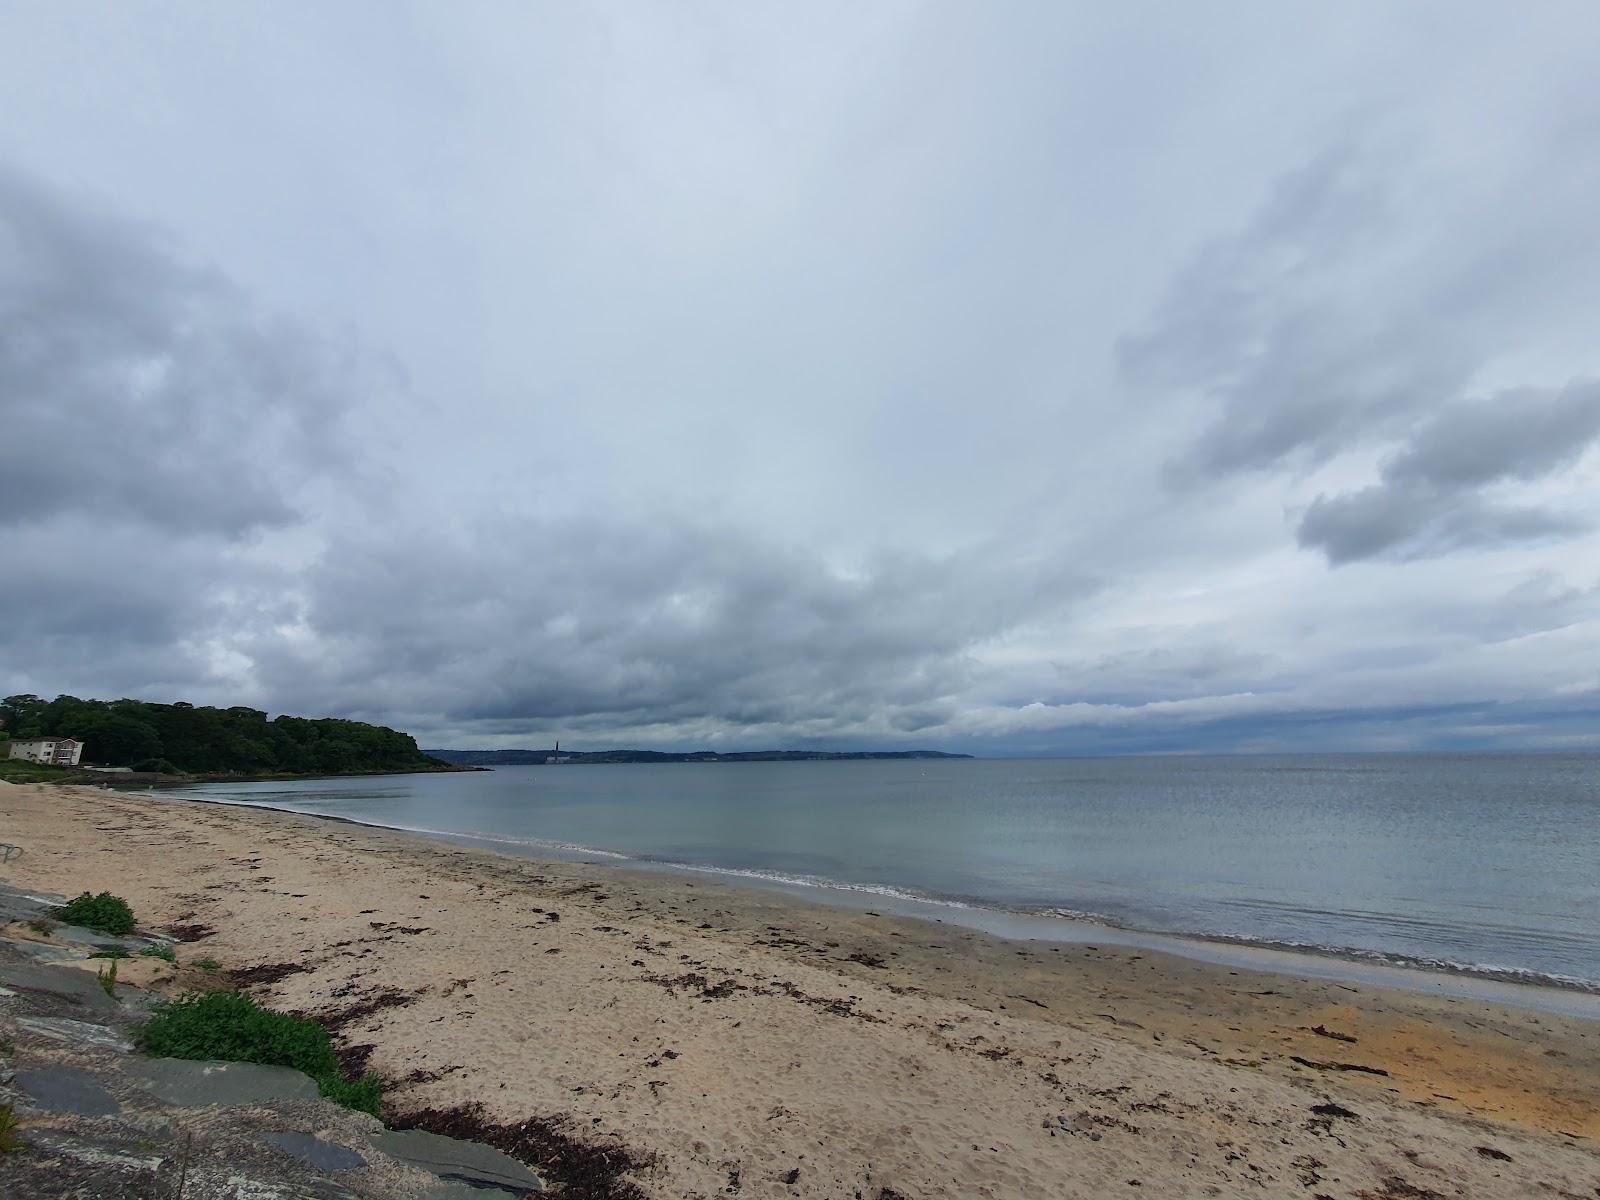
x,y
63,752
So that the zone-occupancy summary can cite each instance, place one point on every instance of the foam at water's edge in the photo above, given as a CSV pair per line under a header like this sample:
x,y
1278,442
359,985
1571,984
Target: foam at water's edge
x,y
1354,954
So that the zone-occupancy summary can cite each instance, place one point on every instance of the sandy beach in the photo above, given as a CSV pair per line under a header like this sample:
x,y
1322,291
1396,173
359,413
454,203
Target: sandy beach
x,y
738,1042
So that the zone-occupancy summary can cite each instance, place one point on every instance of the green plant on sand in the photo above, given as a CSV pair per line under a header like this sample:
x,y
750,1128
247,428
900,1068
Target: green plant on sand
x,y
108,979
10,1143
109,952
104,913
43,926
205,964
235,1028
160,950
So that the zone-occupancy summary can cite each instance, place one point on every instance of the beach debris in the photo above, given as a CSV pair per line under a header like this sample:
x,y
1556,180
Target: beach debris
x,y
1395,1188
1318,1065
1323,1031
1497,1155
266,974
582,1167
1308,1168
1331,1110
190,933
376,1001
792,1176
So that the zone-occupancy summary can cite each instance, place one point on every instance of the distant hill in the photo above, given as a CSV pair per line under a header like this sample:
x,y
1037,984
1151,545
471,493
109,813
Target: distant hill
x,y
512,758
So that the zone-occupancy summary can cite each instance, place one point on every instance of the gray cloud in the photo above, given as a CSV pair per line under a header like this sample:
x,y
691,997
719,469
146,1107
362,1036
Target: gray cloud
x,y
1261,328
1433,496
139,387
795,388
586,624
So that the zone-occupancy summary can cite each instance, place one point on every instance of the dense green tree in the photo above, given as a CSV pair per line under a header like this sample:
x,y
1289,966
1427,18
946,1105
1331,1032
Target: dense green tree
x,y
235,740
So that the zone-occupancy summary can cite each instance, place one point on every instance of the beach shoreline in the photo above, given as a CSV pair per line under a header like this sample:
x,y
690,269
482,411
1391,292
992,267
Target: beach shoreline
x,y
865,1049
1506,986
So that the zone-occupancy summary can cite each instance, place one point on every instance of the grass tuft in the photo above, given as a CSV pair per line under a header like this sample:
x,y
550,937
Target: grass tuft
x,y
10,1143
104,913
162,951
205,964
236,1028
109,952
108,979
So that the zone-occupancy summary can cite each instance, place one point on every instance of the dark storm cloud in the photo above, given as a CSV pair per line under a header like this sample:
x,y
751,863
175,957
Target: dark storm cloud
x,y
138,387
153,426
1437,494
586,624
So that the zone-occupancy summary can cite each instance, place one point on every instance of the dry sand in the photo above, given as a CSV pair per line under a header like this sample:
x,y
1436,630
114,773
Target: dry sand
x,y
753,1045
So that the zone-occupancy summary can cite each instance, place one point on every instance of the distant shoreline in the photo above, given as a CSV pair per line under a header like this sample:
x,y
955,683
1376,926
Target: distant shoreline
x,y
552,757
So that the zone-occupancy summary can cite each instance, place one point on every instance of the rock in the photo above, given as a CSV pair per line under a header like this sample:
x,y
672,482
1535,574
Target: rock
x,y
22,906
77,1033
314,1152
462,1191
44,952
80,987
66,1090
188,1084
79,936
458,1162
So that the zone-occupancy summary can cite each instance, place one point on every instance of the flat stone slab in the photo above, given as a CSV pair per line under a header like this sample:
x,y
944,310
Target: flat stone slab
x,y
80,987
314,1152
187,1084
43,952
456,1161
76,1033
79,936
17,905
463,1191
66,1090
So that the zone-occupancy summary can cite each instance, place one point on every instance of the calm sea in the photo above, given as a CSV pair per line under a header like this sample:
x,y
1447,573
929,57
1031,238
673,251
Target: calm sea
x,y
1486,863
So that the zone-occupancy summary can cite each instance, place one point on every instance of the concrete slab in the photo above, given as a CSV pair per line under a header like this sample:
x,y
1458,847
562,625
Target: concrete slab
x,y
458,1162
66,1090
314,1152
187,1084
77,1033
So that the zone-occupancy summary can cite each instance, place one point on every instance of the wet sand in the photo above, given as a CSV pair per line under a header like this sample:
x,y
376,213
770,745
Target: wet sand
x,y
751,1043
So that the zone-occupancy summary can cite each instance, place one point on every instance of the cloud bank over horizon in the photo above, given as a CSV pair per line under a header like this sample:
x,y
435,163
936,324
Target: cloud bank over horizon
x,y
1004,381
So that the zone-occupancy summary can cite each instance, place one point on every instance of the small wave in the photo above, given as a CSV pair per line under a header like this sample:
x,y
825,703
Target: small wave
x,y
887,891
1412,962
1478,970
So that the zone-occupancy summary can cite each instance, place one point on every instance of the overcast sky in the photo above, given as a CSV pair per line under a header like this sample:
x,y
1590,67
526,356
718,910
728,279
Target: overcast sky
x,y
1010,378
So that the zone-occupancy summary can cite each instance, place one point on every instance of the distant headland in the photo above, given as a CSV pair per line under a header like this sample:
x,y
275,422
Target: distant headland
x,y
560,757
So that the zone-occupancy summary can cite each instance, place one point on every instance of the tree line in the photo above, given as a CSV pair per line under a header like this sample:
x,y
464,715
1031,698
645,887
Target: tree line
x,y
204,741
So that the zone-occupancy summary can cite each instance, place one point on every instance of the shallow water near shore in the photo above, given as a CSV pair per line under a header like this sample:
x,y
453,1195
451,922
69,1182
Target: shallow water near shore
x,y
1482,864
